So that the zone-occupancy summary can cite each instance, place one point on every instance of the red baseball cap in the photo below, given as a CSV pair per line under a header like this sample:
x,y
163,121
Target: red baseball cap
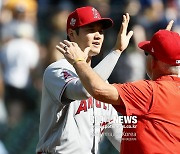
x,y
86,15
164,46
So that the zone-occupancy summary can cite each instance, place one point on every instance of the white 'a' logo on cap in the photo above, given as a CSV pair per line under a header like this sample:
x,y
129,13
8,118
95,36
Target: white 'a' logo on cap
x,y
177,61
152,50
73,22
95,13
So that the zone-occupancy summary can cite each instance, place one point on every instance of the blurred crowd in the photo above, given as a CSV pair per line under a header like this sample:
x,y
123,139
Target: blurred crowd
x,y
30,30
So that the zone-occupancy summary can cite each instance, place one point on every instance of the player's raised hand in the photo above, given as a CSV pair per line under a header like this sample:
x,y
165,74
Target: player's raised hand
x,y
72,52
169,26
123,37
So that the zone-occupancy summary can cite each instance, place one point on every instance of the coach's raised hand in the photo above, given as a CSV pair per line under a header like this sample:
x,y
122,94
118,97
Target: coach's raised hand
x,y
123,37
72,52
170,24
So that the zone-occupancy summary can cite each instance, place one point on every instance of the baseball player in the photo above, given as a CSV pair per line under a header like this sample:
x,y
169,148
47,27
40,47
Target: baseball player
x,y
71,121
155,102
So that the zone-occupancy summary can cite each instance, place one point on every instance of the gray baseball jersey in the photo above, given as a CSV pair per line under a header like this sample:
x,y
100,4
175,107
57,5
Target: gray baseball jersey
x,y
76,127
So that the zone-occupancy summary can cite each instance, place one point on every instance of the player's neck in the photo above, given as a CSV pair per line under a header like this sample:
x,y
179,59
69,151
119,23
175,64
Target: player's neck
x,y
89,60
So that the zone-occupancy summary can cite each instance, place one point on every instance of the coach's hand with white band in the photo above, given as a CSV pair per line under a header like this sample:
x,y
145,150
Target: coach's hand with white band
x,y
72,52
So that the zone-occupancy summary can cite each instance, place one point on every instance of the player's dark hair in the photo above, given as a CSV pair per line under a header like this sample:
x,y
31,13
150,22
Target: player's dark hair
x,y
77,32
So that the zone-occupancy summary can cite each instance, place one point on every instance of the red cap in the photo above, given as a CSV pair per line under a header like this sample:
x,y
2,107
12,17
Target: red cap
x,y
86,15
164,46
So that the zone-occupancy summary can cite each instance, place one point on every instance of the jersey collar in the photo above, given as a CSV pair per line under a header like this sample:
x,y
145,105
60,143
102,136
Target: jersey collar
x,y
169,78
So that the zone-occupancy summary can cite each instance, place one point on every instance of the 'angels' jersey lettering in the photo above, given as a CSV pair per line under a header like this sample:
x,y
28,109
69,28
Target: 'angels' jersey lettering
x,y
88,104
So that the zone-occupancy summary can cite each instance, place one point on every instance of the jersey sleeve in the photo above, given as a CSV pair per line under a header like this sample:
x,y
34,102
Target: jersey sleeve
x,y
55,81
136,97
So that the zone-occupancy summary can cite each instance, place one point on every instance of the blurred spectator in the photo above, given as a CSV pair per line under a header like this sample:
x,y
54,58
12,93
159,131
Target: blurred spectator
x,y
14,13
172,12
3,149
26,8
152,16
3,113
19,57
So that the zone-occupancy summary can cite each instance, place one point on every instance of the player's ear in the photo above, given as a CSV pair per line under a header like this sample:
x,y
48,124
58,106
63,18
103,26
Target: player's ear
x,y
71,35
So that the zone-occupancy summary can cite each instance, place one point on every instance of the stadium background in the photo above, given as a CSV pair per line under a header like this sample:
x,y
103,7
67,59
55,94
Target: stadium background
x,y
44,23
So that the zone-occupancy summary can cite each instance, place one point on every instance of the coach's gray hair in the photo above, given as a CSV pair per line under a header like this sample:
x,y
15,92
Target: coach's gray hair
x,y
175,70
169,69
